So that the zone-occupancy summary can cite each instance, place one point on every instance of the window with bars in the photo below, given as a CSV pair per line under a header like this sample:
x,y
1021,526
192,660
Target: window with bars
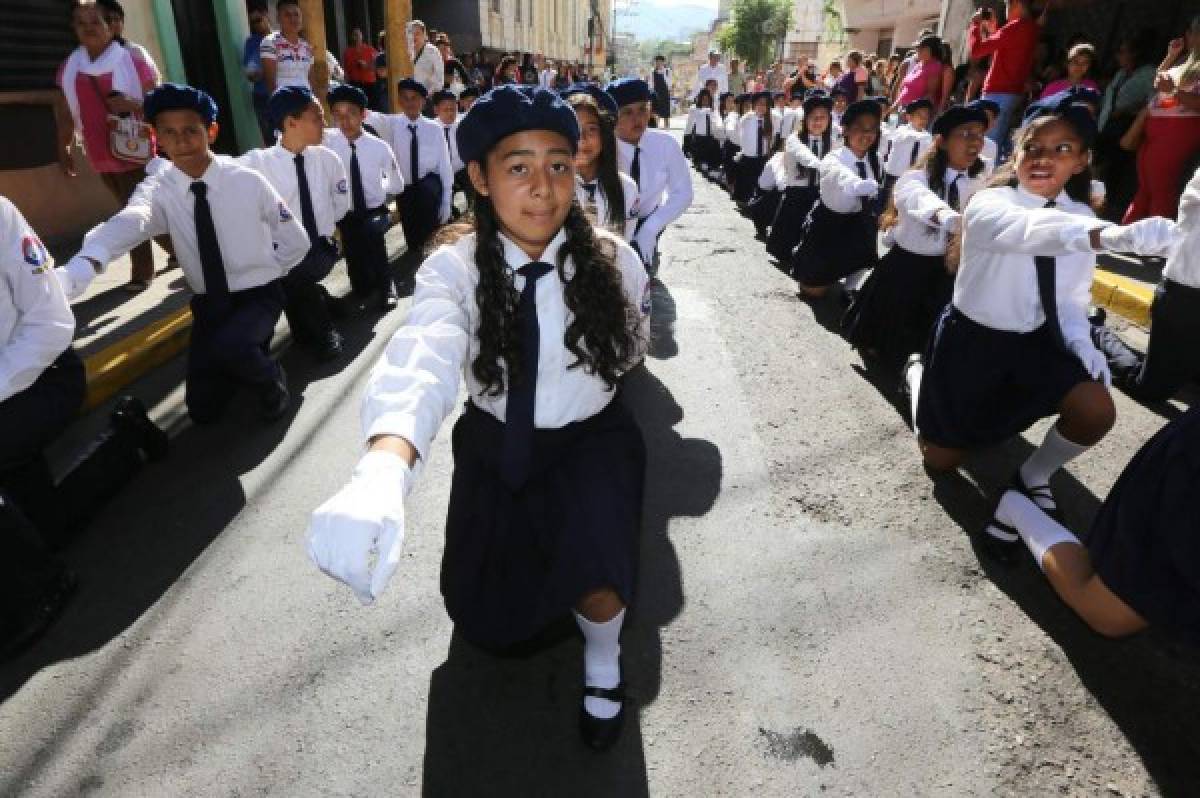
x,y
35,37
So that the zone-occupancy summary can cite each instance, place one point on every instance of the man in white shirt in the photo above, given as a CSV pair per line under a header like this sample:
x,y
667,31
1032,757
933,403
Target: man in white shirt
x,y
656,163
713,70
424,160
1172,356
287,58
313,184
428,68
373,174
235,239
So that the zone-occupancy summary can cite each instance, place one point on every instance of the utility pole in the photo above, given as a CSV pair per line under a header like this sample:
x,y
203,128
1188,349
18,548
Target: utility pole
x,y
314,34
399,62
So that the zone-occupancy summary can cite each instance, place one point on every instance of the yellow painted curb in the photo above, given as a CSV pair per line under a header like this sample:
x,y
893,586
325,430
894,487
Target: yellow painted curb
x,y
1123,296
119,364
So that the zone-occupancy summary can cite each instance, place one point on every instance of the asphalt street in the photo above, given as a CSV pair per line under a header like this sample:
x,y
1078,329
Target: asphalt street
x,y
813,618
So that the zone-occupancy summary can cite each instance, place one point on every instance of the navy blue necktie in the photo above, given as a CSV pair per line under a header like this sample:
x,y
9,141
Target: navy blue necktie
x,y
517,454
356,183
812,173
412,154
635,171
590,188
952,198
758,144
307,216
1048,293
862,173
212,266
916,149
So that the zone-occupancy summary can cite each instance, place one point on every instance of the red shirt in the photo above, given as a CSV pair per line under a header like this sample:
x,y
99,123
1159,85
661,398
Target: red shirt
x,y
355,73
1012,50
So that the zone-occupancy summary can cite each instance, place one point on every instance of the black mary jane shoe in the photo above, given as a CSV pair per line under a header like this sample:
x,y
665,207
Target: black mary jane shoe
x,y
1001,542
1035,492
600,734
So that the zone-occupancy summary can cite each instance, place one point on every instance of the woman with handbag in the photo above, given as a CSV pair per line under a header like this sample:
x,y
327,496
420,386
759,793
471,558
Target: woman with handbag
x,y
104,84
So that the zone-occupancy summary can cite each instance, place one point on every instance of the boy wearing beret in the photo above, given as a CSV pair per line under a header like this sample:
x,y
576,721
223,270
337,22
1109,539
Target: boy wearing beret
x,y
424,160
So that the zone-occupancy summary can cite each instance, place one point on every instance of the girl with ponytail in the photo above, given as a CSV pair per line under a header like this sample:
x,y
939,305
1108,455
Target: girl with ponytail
x,y
541,314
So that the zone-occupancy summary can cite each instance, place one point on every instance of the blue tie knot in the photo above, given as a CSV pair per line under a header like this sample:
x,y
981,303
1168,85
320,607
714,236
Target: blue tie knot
x,y
532,272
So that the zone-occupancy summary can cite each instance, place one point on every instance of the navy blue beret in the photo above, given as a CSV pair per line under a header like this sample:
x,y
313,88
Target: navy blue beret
x,y
837,92
817,99
957,115
762,95
412,85
510,109
1074,106
177,97
990,106
724,94
917,105
288,100
603,99
629,90
797,91
702,93
345,93
469,91
744,97
881,101
860,108
441,95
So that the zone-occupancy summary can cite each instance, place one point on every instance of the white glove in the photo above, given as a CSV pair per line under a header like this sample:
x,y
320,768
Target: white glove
x,y
357,534
950,221
76,276
866,188
1151,236
1095,363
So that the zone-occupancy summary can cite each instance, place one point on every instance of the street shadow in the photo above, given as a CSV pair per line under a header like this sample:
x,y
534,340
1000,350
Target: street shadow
x,y
509,726
663,345
1147,684
143,540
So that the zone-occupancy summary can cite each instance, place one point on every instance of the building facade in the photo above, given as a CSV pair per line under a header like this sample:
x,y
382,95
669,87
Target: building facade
x,y
561,30
806,31
882,26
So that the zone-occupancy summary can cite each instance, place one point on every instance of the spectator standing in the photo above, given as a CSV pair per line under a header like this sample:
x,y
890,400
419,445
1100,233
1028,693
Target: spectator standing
x,y
546,72
945,80
428,67
775,77
923,77
660,82
260,27
103,79
854,80
358,61
507,71
114,14
287,58
455,74
736,77
714,70
1172,130
1126,95
1012,49
1080,60
831,76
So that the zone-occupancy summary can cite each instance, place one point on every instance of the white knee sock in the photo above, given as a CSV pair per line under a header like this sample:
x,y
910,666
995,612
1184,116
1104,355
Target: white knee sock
x,y
1055,452
913,377
1038,530
601,661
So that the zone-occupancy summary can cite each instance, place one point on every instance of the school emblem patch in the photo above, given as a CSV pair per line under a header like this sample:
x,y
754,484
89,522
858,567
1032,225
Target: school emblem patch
x,y
341,186
34,252
284,214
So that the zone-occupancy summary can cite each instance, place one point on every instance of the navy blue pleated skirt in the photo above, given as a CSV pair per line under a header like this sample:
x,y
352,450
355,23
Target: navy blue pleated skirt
x,y
982,386
835,245
897,306
516,562
1145,541
788,223
762,209
746,182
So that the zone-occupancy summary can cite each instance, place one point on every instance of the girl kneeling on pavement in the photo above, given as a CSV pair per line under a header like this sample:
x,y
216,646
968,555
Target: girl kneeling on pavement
x,y
541,313
757,136
803,151
893,313
1014,344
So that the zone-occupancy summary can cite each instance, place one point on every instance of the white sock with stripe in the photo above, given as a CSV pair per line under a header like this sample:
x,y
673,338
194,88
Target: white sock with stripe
x,y
1038,530
601,661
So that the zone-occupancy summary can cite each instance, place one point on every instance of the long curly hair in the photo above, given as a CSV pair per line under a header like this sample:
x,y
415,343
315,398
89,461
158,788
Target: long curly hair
x,y
607,169
604,331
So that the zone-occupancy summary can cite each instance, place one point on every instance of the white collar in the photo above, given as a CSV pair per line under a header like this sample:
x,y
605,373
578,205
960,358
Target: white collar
x,y
515,257
1031,200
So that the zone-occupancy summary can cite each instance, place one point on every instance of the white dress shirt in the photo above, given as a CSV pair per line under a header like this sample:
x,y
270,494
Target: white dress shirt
x,y
707,73
36,322
801,154
839,179
599,206
774,174
376,164
327,183
748,138
450,135
790,121
906,142
664,171
705,122
429,69
432,155
414,386
731,127
917,204
1003,229
381,123
259,236
1183,263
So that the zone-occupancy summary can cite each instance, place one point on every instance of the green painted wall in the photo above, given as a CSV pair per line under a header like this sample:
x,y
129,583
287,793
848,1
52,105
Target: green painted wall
x,y
168,42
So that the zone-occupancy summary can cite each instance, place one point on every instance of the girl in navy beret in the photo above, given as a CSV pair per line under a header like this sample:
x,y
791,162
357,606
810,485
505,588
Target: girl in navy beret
x,y
540,314
597,177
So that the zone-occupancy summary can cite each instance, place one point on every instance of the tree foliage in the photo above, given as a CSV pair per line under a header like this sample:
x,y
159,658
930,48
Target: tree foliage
x,y
755,30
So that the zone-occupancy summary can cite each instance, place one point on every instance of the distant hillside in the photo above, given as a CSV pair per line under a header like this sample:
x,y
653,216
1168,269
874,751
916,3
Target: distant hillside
x,y
675,22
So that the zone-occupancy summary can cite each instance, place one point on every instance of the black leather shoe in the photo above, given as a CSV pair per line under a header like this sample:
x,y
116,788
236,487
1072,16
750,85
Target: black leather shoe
x,y
339,308
600,734
1002,543
275,399
130,417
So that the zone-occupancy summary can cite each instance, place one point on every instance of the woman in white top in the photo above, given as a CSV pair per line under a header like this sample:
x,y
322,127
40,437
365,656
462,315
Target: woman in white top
x,y
803,151
540,314
596,175
898,304
1014,345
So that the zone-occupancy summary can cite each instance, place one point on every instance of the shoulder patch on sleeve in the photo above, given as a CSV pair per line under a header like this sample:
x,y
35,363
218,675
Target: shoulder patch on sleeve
x,y
34,253
341,186
284,214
